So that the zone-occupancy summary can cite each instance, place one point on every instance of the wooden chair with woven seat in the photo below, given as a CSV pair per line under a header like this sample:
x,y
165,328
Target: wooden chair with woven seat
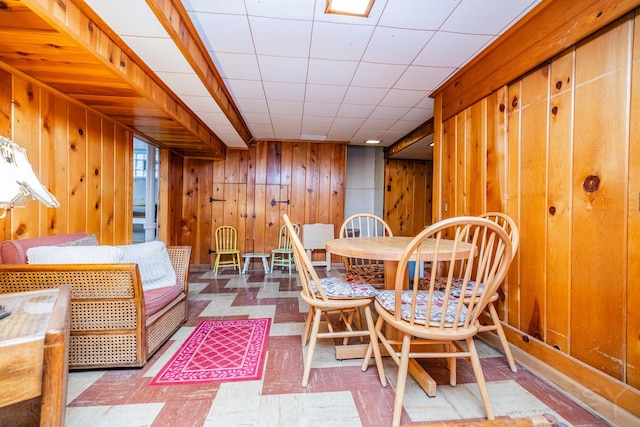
x,y
331,295
282,256
226,238
423,318
364,225
509,225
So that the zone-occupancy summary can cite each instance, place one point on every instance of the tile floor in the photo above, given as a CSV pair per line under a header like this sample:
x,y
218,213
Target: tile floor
x,y
339,393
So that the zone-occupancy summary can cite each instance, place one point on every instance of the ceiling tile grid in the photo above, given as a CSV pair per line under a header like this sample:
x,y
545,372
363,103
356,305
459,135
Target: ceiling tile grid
x,y
295,72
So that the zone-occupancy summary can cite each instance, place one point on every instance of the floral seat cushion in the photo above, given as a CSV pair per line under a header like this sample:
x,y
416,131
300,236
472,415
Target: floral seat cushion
x,y
456,286
338,287
387,300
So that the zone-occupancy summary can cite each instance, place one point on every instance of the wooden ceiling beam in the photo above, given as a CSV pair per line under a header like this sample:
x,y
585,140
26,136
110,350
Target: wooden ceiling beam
x,y
78,22
550,28
175,20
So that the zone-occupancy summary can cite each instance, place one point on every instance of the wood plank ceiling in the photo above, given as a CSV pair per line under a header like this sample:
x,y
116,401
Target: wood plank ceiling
x,y
67,47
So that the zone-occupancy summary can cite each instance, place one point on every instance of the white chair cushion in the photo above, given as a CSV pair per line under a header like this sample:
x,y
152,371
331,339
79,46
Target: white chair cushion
x,y
337,287
153,262
74,255
388,300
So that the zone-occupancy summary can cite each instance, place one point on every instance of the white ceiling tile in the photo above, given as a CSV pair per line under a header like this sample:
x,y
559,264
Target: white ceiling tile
x,y
395,45
224,33
418,114
403,98
161,54
451,49
285,107
328,41
249,106
183,84
327,72
390,113
227,7
264,130
139,19
200,103
364,95
422,14
325,93
423,78
321,109
279,69
356,111
251,89
283,9
378,124
281,37
277,91
377,75
317,121
484,17
258,118
347,122
239,66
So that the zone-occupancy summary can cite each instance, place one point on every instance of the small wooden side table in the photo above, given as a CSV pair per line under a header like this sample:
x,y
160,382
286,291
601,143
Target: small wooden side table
x,y
34,357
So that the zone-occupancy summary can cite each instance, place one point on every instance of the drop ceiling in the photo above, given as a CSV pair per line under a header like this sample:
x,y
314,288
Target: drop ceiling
x,y
292,72
296,73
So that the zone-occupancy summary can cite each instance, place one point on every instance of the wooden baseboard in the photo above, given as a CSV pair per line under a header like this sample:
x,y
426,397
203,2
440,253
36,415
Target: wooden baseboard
x,y
617,403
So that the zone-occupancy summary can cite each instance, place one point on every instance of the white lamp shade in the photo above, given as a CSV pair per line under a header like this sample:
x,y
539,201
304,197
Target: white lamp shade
x,y
18,183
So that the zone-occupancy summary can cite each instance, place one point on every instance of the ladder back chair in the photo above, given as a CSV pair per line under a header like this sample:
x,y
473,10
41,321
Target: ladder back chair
x,y
226,246
420,318
333,295
282,256
364,225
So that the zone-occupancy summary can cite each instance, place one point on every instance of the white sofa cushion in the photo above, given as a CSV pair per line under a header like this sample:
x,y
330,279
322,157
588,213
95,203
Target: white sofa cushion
x,y
74,255
153,262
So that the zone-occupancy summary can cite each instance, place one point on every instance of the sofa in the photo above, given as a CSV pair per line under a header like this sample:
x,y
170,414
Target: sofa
x,y
116,321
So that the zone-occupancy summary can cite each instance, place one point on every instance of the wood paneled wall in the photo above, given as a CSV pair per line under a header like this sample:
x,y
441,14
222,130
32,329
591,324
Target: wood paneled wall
x,y
250,190
83,158
407,195
558,150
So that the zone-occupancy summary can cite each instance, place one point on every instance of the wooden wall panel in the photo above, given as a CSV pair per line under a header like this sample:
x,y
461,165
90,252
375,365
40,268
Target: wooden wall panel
x,y
633,234
532,195
559,201
599,199
75,152
407,197
570,168
310,175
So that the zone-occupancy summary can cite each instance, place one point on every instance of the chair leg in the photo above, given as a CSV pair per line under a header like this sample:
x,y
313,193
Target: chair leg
x,y
402,379
373,344
451,362
503,338
307,327
312,346
215,265
477,371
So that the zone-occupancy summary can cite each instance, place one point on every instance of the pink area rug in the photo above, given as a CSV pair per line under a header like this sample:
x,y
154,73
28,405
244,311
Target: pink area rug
x,y
219,351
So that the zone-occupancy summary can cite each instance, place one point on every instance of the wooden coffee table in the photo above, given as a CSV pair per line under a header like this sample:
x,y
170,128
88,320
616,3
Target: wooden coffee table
x,y
34,365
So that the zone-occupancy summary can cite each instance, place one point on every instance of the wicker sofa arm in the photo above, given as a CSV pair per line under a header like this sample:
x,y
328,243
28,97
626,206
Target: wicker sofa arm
x,y
107,308
180,257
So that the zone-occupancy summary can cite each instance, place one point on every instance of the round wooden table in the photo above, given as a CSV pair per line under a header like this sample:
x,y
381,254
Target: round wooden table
x,y
390,249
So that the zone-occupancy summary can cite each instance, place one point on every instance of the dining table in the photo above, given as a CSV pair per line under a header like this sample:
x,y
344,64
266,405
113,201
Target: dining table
x,y
389,249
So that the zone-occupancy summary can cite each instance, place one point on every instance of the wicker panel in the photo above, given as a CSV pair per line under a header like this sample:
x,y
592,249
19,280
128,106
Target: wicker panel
x,y
98,351
165,326
180,256
113,284
103,315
